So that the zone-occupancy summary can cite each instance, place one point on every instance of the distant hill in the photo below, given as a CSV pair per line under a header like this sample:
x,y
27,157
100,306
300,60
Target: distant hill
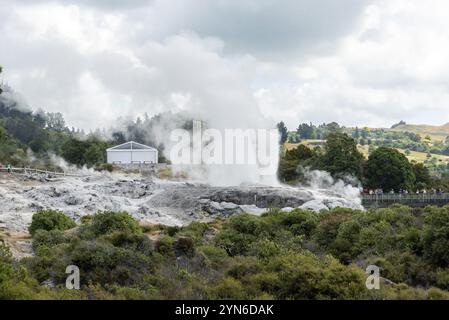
x,y
436,132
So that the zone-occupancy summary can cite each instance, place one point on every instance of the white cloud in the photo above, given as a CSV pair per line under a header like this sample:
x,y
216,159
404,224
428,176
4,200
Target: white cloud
x,y
364,63
393,66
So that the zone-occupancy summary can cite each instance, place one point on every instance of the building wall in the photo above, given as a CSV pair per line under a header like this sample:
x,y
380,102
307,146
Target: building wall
x,y
144,156
128,156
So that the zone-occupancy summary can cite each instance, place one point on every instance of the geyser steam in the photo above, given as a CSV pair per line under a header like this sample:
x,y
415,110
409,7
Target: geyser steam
x,y
229,156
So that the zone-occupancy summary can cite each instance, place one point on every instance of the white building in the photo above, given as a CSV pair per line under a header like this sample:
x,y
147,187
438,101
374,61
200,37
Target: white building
x,y
132,152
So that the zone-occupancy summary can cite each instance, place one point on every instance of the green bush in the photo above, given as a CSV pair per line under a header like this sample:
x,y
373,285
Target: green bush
x,y
48,238
228,288
132,241
103,263
184,246
107,222
50,220
278,255
436,236
6,261
164,246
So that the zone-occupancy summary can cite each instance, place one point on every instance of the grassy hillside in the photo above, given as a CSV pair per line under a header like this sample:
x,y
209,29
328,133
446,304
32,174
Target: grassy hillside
x,y
437,133
411,155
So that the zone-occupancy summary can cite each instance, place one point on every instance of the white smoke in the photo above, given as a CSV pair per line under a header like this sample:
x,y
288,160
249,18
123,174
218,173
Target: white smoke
x,y
330,193
13,100
70,168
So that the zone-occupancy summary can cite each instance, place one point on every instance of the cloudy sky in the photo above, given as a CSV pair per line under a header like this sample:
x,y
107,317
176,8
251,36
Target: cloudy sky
x,y
357,62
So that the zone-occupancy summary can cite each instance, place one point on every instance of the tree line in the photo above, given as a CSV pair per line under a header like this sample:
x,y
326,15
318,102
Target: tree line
x,y
385,168
30,138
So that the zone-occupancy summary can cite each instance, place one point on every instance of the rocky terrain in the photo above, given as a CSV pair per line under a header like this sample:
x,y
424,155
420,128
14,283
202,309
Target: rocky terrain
x,y
151,200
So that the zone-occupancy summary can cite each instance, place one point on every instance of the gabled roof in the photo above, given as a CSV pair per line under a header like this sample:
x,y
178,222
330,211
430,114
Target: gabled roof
x,y
131,145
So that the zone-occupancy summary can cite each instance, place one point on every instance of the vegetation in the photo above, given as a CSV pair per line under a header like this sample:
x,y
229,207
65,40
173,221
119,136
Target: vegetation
x,y
283,132
30,138
279,255
390,170
424,144
340,156
50,220
382,167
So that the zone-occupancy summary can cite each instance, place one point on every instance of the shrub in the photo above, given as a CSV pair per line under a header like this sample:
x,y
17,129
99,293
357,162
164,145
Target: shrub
x,y
164,246
131,241
212,256
235,243
5,263
301,222
240,232
436,236
48,238
50,220
184,246
327,229
442,278
228,288
101,262
108,222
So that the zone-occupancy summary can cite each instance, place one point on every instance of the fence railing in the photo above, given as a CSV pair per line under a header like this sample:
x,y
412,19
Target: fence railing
x,y
25,170
410,199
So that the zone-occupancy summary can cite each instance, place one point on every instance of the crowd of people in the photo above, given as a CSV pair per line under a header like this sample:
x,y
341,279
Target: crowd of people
x,y
380,191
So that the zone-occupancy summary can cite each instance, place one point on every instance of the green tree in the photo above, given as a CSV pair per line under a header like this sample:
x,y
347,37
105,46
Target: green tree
x,y
283,132
422,175
55,121
84,152
73,151
289,164
341,156
306,131
388,169
95,154
300,153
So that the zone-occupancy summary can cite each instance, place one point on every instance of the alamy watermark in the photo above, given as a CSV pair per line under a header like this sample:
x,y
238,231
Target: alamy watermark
x,y
373,280
73,280
257,147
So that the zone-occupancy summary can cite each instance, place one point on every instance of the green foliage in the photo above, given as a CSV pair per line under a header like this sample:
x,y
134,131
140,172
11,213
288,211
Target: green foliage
x,y
278,255
310,131
436,236
50,220
164,246
108,222
389,169
288,170
48,238
85,152
239,234
422,176
340,156
283,132
6,268
101,262
300,153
